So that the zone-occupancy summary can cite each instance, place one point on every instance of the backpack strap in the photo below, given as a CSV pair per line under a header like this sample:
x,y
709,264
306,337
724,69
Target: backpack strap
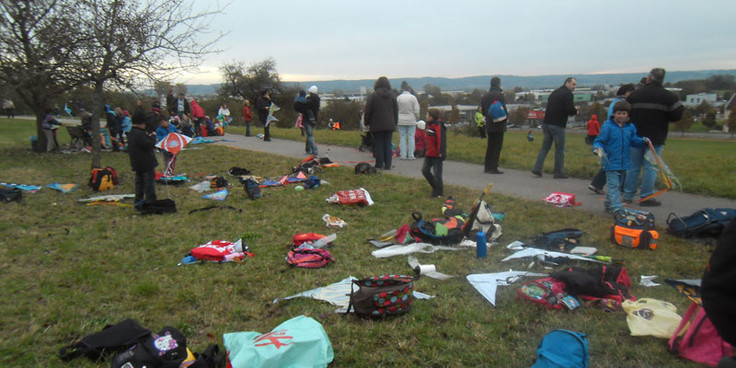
x,y
684,322
72,351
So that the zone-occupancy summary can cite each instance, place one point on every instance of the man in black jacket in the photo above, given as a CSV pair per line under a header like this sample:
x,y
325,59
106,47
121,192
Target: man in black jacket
x,y
559,106
495,129
652,109
142,156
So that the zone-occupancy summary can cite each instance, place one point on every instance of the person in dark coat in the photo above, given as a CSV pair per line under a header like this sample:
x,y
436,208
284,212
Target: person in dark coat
x,y
382,117
141,145
653,108
560,105
263,103
495,129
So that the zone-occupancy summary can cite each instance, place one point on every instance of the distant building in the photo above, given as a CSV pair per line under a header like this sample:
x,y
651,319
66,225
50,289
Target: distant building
x,y
697,99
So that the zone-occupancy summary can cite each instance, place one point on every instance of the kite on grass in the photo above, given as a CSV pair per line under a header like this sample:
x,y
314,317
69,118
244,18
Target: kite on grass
x,y
172,143
687,287
487,283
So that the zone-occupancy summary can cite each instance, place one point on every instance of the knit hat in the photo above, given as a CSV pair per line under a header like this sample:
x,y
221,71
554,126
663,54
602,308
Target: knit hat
x,y
313,89
421,125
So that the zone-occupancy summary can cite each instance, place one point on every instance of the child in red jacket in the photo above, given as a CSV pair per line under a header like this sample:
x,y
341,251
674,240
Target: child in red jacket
x,y
420,139
436,152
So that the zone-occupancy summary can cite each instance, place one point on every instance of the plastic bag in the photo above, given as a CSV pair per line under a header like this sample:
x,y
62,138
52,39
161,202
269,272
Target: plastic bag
x,y
651,317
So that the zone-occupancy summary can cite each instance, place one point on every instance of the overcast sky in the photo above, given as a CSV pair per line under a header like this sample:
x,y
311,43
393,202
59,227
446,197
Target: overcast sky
x,y
347,39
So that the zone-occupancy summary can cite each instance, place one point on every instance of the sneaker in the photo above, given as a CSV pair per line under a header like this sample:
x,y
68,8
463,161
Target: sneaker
x,y
626,201
594,189
560,176
650,203
537,173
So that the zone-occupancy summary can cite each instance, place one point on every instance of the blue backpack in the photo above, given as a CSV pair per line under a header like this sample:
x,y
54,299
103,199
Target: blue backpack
x,y
562,349
497,112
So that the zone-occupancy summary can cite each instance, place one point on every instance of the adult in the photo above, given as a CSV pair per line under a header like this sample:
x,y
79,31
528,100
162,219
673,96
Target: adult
x,y
50,125
494,129
171,102
559,106
263,104
310,120
247,117
9,108
408,115
382,117
652,109
599,180
182,105
198,117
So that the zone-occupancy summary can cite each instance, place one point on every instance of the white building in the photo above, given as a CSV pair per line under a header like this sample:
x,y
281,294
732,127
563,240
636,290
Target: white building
x,y
695,100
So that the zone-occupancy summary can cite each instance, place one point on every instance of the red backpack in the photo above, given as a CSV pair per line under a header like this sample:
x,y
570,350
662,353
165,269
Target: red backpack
x,y
308,258
548,292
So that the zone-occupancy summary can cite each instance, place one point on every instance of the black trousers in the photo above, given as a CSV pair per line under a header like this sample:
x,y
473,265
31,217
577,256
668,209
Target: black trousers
x,y
432,171
493,151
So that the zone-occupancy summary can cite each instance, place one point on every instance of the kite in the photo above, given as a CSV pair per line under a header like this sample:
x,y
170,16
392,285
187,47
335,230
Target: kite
x,y
541,254
689,288
487,283
107,198
668,178
272,109
64,188
172,143
402,250
218,196
23,187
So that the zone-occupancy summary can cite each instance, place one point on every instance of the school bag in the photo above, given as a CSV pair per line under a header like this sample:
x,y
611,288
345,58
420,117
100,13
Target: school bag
x,y
497,112
441,230
364,168
562,349
634,229
309,258
381,296
164,349
158,207
705,222
701,342
11,195
252,188
103,179
112,339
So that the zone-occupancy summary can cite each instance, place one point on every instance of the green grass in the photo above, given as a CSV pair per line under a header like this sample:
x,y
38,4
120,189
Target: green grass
x,y
68,269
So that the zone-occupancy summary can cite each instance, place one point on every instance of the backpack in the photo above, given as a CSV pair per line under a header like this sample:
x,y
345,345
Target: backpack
x,y
562,348
11,194
103,179
705,222
252,189
548,292
219,182
634,229
112,339
608,282
437,230
701,342
364,168
381,296
497,112
158,207
308,257
165,349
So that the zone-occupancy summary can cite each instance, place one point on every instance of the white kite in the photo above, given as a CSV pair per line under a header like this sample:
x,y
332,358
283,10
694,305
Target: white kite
x,y
541,254
272,109
487,283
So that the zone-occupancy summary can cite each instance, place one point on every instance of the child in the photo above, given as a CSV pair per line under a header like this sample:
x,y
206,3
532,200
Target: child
x,y
142,156
247,117
480,120
436,152
420,139
162,131
612,144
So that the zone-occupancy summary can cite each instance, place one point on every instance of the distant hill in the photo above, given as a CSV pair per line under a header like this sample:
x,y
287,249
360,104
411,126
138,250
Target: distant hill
x,y
483,82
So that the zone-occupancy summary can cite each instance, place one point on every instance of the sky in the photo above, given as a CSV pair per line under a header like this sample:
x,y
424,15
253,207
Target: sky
x,y
326,40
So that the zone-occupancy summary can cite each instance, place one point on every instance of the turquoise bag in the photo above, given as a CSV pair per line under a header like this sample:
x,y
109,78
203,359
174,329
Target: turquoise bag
x,y
298,342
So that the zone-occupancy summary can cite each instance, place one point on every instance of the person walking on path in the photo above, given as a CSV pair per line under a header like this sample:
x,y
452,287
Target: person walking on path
x,y
653,108
599,180
311,120
408,115
559,106
382,117
263,103
436,152
247,117
495,129
613,144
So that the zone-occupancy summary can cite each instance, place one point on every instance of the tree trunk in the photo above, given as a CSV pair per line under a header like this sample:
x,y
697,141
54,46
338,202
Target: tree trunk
x,y
97,107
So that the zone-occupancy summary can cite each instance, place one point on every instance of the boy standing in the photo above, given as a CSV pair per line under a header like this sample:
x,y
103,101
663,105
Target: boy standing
x,y
141,146
616,137
436,152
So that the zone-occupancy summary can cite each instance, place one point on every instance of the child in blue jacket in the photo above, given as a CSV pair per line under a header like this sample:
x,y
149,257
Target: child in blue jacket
x,y
617,135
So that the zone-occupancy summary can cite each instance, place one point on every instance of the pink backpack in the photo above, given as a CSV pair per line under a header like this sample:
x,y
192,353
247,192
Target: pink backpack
x,y
308,258
701,342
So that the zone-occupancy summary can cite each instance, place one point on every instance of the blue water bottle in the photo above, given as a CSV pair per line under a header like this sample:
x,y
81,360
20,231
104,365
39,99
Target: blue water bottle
x,y
481,248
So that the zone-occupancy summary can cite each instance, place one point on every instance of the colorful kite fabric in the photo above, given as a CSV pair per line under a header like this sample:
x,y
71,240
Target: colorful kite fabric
x,y
64,188
272,109
201,187
220,195
541,254
107,198
173,143
668,177
23,187
199,140
687,287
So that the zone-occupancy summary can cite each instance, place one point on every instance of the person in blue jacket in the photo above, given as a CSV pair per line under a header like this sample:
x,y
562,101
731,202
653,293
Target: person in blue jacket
x,y
164,128
613,143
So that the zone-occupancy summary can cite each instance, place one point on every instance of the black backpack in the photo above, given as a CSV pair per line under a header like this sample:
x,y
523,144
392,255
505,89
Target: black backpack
x,y
364,168
703,223
112,339
252,189
11,194
158,207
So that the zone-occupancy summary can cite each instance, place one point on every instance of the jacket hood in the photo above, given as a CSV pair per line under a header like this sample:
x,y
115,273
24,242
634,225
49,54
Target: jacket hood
x,y
383,92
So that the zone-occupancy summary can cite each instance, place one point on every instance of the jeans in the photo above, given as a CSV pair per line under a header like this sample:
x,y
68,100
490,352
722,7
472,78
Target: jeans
x,y
613,195
406,140
145,187
247,128
649,176
556,134
311,145
382,149
434,164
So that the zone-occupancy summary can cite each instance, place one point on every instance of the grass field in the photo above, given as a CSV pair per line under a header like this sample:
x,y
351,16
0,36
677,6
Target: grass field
x,y
68,269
